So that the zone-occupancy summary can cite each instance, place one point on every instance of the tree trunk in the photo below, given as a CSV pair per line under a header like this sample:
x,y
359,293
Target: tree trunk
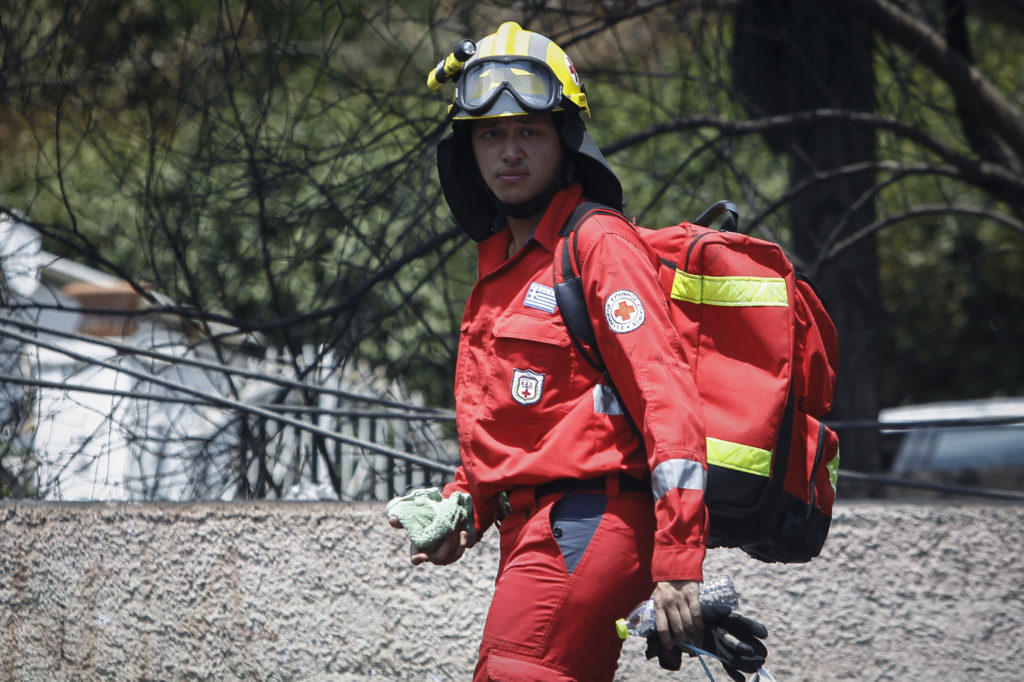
x,y
795,55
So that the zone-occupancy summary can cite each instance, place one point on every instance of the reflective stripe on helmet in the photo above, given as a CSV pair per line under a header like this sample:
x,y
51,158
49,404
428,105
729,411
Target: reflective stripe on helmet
x,y
512,39
684,474
729,291
739,457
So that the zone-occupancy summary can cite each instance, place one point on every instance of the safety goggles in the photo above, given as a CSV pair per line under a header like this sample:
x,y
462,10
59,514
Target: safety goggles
x,y
530,83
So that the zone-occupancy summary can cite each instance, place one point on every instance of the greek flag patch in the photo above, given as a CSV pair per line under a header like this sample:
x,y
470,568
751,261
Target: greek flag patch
x,y
541,297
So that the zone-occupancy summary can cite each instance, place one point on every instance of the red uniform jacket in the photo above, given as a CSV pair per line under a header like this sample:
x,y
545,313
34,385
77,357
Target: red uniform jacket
x,y
530,409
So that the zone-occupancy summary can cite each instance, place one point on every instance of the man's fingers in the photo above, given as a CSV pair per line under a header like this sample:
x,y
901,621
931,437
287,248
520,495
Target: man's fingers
x,y
662,626
449,551
696,620
677,611
679,622
452,548
671,624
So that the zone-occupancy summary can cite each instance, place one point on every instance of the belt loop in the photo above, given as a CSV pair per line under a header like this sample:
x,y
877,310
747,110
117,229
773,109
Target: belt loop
x,y
611,485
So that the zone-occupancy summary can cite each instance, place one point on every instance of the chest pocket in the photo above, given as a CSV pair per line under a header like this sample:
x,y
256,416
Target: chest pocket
x,y
533,358
545,330
527,339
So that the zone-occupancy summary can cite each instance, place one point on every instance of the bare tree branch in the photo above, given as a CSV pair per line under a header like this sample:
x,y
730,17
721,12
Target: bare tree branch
x,y
897,170
989,176
977,92
923,211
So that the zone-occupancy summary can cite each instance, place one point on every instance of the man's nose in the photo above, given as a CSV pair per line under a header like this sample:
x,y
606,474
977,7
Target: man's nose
x,y
511,150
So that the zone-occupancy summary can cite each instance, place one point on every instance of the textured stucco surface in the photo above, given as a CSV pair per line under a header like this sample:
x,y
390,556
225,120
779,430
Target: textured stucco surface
x,y
902,591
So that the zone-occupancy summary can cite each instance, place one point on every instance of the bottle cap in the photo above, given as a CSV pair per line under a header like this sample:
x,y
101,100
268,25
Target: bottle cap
x,y
622,627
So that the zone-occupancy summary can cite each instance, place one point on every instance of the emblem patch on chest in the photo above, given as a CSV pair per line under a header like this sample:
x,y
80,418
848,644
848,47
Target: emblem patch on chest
x,y
527,386
624,311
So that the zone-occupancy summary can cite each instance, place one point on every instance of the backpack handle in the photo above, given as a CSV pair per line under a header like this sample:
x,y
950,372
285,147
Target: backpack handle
x,y
729,223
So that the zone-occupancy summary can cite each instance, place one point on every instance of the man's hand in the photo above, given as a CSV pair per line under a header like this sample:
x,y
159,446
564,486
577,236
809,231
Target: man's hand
x,y
449,551
677,611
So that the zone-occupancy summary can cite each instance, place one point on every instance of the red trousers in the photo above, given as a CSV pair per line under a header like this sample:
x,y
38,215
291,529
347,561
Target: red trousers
x,y
571,564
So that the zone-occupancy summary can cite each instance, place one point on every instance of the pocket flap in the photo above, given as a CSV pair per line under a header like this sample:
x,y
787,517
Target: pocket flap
x,y
526,328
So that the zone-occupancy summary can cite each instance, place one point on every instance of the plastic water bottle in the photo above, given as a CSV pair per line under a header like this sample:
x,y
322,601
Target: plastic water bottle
x,y
717,589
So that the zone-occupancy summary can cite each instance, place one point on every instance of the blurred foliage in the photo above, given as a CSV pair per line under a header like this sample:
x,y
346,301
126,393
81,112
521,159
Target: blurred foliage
x,y
272,162
950,280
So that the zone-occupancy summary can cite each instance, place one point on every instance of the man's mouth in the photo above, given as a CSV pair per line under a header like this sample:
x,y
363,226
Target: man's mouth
x,y
512,174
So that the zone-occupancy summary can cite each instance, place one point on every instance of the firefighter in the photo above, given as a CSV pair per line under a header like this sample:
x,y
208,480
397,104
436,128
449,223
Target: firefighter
x,y
595,511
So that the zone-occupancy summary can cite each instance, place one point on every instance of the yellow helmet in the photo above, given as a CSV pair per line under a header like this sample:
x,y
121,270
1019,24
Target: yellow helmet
x,y
510,73
515,72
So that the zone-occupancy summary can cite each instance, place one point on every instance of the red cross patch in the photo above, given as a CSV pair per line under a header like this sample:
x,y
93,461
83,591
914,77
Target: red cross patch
x,y
623,311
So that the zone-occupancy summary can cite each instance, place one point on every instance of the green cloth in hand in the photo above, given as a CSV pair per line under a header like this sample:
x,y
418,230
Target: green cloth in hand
x,y
428,517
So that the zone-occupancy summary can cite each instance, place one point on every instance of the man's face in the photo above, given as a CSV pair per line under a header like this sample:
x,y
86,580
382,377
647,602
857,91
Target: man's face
x,y
518,156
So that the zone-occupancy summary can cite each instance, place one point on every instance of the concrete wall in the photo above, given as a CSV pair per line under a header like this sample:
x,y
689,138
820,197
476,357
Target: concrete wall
x,y
324,592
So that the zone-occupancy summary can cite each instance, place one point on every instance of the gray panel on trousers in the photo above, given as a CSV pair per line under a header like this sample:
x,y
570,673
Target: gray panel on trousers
x,y
574,520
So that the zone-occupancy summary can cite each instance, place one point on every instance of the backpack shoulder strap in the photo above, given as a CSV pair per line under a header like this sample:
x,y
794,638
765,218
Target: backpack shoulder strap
x,y
569,295
570,231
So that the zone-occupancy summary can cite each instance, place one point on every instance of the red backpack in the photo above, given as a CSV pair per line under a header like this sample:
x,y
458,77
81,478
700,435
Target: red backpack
x,y
764,355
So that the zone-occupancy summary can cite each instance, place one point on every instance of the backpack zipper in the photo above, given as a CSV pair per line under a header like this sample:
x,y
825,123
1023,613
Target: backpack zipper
x,y
686,263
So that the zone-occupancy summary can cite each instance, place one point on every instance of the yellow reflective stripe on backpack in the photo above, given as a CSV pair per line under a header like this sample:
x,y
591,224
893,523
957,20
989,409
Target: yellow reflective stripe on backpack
x,y
729,291
740,457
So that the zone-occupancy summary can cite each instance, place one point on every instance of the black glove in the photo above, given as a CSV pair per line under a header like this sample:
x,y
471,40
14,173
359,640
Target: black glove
x,y
735,639
669,659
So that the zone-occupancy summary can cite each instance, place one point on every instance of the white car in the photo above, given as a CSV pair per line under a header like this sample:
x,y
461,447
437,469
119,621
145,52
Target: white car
x,y
975,442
